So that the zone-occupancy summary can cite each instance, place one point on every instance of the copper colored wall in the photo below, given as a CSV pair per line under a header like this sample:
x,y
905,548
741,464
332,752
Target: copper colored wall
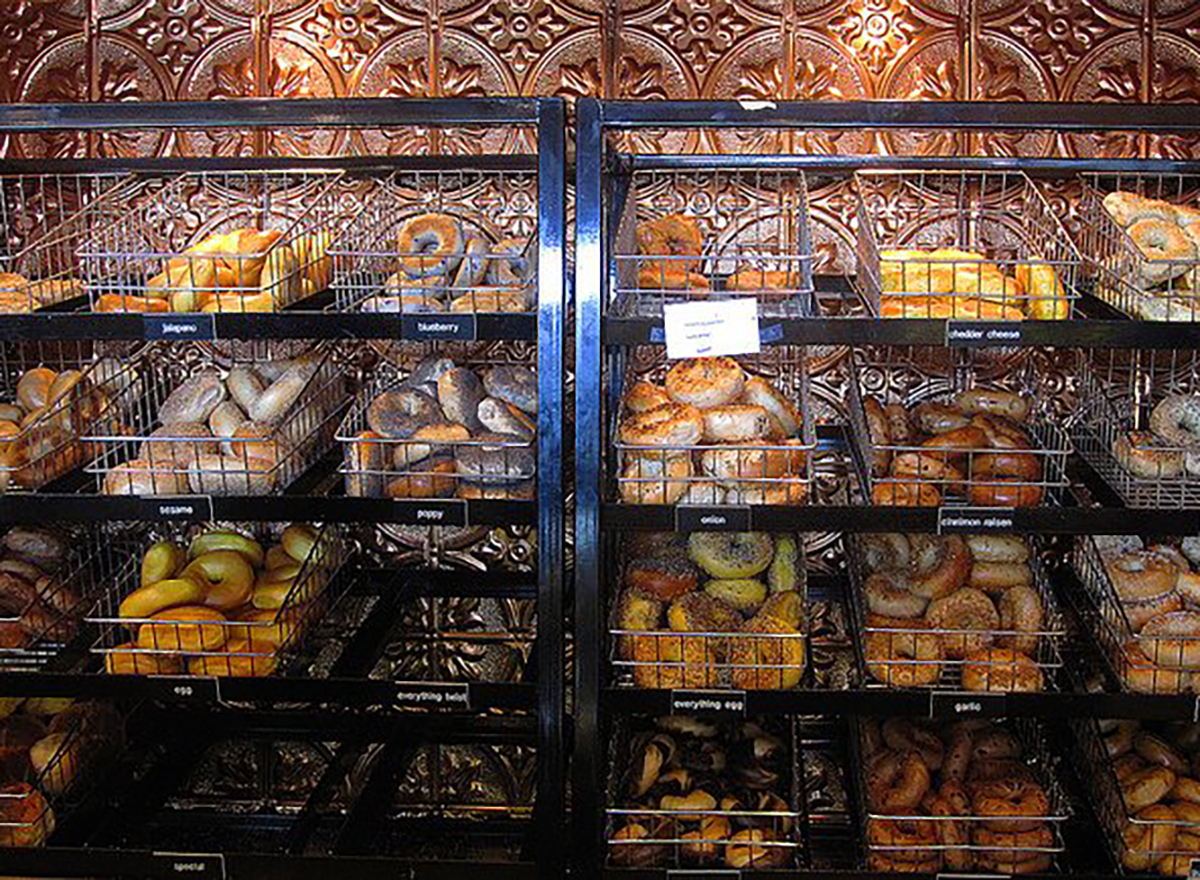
x,y
1004,50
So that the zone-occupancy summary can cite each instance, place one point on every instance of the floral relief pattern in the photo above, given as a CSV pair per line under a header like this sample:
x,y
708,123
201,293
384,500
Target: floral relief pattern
x,y
934,83
237,80
411,79
23,26
876,31
1001,81
701,30
521,30
118,82
175,32
1059,31
1118,83
348,30
1173,84
637,81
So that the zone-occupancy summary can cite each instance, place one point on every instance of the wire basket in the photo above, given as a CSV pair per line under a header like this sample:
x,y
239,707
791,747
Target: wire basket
x,y
1159,288
219,241
1119,393
82,739
967,842
262,460
765,471
715,834
905,474
383,257
249,645
456,460
44,219
1151,663
905,666
720,234
957,244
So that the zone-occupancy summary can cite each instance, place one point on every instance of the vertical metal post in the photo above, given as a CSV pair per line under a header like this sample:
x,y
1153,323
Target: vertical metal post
x,y
551,756
589,290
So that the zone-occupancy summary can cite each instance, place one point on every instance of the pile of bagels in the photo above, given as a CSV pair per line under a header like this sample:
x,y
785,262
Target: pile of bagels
x,y
922,591
445,266
19,294
733,609
222,432
1171,448
45,745
1160,790
224,605
243,270
1159,597
447,431
1167,235
37,604
712,433
962,797
973,446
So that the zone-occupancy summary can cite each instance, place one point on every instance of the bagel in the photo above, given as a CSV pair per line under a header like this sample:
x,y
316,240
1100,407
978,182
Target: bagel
x,y
1139,453
238,659
513,262
995,578
1156,751
1001,669
657,480
447,436
957,443
905,494
495,458
674,424
889,595
139,477
938,418
1166,248
1172,639
223,475
773,660
644,396
763,281
666,577
992,402
1047,298
1143,677
752,849
1006,465
498,417
888,551
671,235
900,428
226,576
705,382
1021,611
1004,492
190,628
905,735
129,659
152,598
926,468
516,385
903,660
940,565
669,276
757,462
968,610
164,559
735,423
760,392
731,555
1124,207
1142,575
1180,863
365,465
430,244
398,415
432,478
1010,805
194,400
1146,786
181,446
1176,419
1013,846
299,542
880,436
257,442
897,782
1002,433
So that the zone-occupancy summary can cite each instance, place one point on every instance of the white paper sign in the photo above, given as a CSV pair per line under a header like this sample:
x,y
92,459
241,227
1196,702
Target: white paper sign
x,y
711,328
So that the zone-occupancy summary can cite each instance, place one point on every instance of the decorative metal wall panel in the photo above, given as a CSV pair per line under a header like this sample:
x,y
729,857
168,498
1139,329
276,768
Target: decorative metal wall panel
x,y
1000,50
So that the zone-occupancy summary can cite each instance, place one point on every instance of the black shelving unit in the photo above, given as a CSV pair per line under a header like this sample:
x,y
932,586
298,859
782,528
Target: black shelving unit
x,y
347,705
606,334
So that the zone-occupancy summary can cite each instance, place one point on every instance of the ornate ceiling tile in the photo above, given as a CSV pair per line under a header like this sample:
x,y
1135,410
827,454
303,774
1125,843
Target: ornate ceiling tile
x,y
224,70
932,72
298,69
700,32
649,70
876,31
1059,32
1110,74
1175,80
1121,13
26,28
750,71
826,72
175,33
518,32
348,31
1007,71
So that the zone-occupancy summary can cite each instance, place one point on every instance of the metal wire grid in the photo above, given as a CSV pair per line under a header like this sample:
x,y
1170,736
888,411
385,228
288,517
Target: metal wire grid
x,y
1127,653
910,375
1030,267
759,472
146,259
53,439
1047,653
271,644
1118,392
498,208
44,219
755,242
473,468
666,844
1035,756
1142,287
28,809
263,465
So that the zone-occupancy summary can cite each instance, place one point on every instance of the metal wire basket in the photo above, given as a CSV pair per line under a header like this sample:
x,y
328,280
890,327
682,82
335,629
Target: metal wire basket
x,y
463,462
984,844
257,645
44,219
219,241
492,267
970,475
142,460
896,642
1151,663
777,472
1119,391
754,241
958,244
1154,288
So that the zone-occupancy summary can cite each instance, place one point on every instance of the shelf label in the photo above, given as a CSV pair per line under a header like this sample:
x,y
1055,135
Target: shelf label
x,y
974,519
438,327
710,328
203,866
966,704
702,518
446,512
708,701
433,695
980,334
186,688
180,327
1194,870
187,507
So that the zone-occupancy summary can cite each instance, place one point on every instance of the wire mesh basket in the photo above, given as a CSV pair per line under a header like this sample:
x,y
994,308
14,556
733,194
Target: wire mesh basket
x,y
776,467
255,639
957,244
1127,400
928,653
246,420
1143,651
970,825
44,219
714,233
77,744
914,393
1162,212
219,241
747,814
467,435
438,241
